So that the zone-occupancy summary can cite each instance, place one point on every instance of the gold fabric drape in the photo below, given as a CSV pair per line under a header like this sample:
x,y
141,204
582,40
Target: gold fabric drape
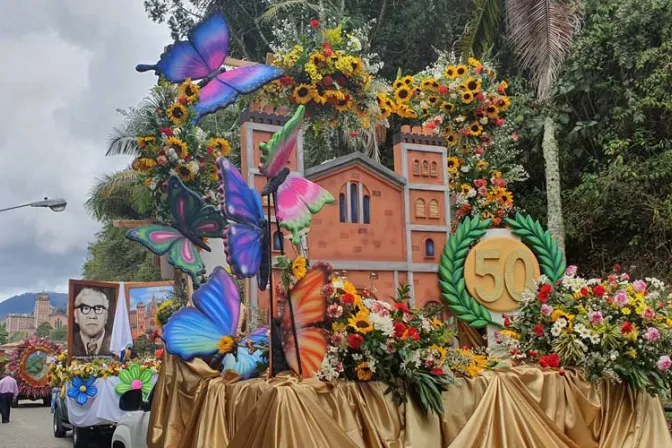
x,y
194,407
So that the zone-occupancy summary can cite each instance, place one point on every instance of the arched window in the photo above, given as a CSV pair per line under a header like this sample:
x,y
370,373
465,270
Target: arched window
x,y
354,203
366,209
429,248
434,171
277,240
434,209
420,208
342,208
425,168
416,167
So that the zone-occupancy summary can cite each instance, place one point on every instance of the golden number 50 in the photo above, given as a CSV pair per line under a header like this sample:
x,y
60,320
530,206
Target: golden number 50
x,y
489,263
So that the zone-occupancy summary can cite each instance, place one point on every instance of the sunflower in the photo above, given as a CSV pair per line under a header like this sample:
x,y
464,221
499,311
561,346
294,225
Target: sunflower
x,y
408,80
403,94
506,198
344,103
472,84
317,58
475,129
299,267
461,70
189,90
492,111
221,145
144,141
453,164
397,83
451,137
185,172
406,111
447,107
504,102
474,62
318,95
356,64
177,113
364,372
433,99
481,165
179,146
361,323
225,344
385,111
429,84
143,164
338,327
465,188
382,99
333,96
467,97
450,72
303,93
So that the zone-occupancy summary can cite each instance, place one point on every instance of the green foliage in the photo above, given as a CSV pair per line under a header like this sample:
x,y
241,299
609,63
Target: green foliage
x,y
112,257
16,337
143,344
59,334
43,330
3,334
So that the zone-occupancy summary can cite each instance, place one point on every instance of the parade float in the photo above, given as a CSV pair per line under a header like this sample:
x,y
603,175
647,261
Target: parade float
x,y
29,365
565,362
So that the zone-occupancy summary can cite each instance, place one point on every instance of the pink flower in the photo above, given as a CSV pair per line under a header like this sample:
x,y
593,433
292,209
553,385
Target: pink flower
x,y
664,363
483,191
328,290
639,285
391,346
478,183
479,150
514,137
652,334
571,271
338,367
595,317
379,308
443,89
648,314
546,309
499,182
337,339
161,160
334,311
621,298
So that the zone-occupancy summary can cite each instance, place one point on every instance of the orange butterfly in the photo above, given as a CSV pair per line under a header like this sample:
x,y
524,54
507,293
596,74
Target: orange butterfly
x,y
309,308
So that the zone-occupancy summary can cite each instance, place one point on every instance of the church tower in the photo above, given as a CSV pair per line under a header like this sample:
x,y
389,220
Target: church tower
x,y
42,309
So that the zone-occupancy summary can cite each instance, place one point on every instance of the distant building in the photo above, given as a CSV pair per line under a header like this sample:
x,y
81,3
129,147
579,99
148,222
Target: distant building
x,y
142,318
42,312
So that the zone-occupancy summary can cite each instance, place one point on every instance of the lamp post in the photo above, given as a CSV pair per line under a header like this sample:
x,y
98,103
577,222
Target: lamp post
x,y
56,205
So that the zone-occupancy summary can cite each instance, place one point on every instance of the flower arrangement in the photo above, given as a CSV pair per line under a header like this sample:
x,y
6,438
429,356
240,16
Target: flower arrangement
x,y
614,329
176,145
97,368
328,71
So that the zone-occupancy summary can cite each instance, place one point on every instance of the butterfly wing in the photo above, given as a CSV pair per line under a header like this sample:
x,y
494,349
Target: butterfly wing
x,y
258,338
184,256
189,333
197,58
240,203
219,300
276,153
298,199
223,89
190,213
158,239
312,349
308,303
243,246
246,364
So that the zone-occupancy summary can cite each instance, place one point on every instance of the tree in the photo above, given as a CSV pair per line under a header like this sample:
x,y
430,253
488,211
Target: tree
x,y
16,337
3,334
143,344
43,330
59,334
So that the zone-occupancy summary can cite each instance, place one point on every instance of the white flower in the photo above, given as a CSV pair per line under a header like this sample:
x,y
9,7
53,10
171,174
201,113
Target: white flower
x,y
383,323
613,355
427,326
153,183
465,168
177,131
193,166
171,154
472,193
483,120
200,135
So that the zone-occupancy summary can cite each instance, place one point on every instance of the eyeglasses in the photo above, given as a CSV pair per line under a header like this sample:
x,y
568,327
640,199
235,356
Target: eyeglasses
x,y
86,309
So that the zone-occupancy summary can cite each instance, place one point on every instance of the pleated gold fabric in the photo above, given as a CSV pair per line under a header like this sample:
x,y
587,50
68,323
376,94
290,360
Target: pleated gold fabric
x,y
194,407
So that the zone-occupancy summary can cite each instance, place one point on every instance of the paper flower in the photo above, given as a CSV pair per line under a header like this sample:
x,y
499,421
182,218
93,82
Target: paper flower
x,y
81,389
134,378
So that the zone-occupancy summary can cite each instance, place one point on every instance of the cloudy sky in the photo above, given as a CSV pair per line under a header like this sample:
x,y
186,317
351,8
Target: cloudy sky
x,y
67,65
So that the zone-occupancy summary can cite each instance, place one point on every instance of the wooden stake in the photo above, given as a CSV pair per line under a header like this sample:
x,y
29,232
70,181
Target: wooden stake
x,y
131,223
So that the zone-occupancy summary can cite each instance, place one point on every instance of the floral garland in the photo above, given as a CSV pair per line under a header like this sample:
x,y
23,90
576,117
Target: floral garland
x,y
97,368
614,329
327,70
24,370
177,146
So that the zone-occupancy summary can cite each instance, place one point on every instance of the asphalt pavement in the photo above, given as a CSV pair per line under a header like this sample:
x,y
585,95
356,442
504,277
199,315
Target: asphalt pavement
x,y
30,427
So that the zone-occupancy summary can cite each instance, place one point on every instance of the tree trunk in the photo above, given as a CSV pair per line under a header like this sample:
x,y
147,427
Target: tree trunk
x,y
549,147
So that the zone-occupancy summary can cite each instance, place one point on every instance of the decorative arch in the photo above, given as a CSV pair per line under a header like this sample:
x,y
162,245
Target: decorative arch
x,y
434,169
354,203
425,168
434,209
420,211
416,167
430,249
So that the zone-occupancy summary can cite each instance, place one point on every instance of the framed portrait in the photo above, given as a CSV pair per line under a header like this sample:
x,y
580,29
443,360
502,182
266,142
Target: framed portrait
x,y
92,307
144,299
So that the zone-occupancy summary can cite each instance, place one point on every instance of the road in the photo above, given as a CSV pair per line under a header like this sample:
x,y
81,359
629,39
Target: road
x,y
30,427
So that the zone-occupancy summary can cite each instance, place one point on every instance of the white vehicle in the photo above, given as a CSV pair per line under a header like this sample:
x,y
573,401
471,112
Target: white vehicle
x,y
131,430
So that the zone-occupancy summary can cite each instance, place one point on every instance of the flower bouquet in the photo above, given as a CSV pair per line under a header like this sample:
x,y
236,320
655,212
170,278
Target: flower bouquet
x,y
614,329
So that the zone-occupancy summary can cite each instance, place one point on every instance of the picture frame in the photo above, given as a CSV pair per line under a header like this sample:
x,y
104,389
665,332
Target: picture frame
x,y
150,294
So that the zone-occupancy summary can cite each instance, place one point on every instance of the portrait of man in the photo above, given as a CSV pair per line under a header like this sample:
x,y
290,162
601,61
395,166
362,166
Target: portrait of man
x,y
92,306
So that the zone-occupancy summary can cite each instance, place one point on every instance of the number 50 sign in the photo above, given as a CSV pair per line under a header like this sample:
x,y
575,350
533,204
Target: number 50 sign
x,y
497,270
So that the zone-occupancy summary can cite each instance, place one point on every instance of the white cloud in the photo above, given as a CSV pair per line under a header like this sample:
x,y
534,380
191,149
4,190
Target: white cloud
x,y
67,66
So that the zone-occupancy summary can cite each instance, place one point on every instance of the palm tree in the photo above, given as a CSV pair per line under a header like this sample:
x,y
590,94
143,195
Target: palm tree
x,y
118,196
541,32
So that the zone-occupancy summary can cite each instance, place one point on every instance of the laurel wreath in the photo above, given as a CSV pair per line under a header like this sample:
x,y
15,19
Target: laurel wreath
x,y
451,268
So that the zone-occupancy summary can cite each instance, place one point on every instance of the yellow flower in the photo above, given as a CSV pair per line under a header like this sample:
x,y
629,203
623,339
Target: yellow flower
x,y
461,70
475,129
303,93
450,72
626,311
408,80
481,165
143,164
221,145
451,137
403,94
225,344
185,172
343,104
443,353
364,372
144,141
179,146
510,334
177,113
317,58
433,99
299,267
453,164
189,90
361,323
467,97
338,327
405,111
430,84
668,322
447,108
506,198
504,102
631,352
333,35
471,84
491,111
474,62
437,323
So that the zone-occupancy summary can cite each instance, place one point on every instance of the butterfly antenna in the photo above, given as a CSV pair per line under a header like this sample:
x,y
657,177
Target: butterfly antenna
x,y
144,67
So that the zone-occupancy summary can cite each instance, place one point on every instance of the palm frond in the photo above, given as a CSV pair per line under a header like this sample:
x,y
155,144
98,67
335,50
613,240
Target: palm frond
x,y
117,196
122,141
482,30
278,9
541,32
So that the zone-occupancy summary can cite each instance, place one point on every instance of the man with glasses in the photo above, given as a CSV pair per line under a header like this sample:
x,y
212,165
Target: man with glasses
x,y
91,310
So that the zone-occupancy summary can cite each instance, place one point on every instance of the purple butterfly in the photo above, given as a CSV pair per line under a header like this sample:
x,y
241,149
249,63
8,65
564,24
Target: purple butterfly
x,y
201,57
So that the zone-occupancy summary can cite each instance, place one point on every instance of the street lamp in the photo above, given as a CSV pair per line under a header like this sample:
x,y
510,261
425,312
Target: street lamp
x,y
56,205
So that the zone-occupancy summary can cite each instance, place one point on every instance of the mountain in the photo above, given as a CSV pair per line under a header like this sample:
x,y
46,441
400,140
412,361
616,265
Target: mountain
x,y
25,303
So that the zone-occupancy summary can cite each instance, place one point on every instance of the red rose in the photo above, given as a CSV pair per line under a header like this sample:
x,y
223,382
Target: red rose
x,y
499,121
478,183
182,100
155,335
546,288
286,80
401,306
399,329
626,327
552,361
314,23
355,341
348,299
412,333
500,89
478,70
443,89
327,81
539,330
584,292
327,290
437,371
609,300
479,96
507,322
340,79
327,49
532,353
599,290
168,132
353,134
617,267
543,298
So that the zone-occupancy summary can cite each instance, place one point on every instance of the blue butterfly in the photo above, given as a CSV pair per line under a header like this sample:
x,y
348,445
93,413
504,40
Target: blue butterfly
x,y
201,57
246,234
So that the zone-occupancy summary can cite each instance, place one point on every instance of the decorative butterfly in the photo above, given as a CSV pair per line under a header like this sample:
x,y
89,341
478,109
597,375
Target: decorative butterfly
x,y
192,221
304,344
246,234
297,199
201,57
200,331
